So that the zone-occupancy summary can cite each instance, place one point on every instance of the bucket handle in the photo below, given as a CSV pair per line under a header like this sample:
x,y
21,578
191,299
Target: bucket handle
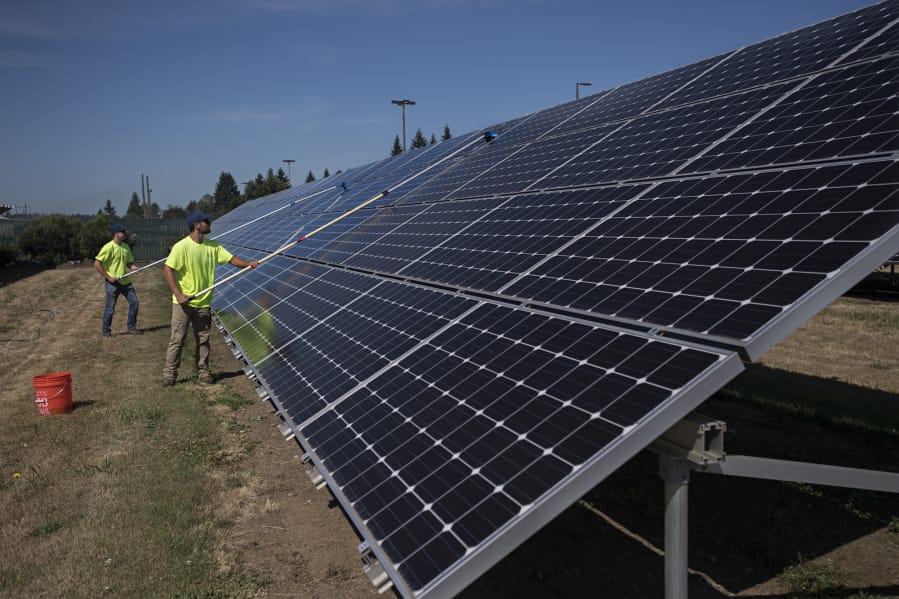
x,y
63,388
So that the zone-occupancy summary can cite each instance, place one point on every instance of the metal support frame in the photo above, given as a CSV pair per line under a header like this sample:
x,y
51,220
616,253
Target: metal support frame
x,y
312,472
696,444
373,569
285,429
676,474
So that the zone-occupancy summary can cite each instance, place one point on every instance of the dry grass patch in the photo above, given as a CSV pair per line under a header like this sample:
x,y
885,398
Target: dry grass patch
x,y
120,496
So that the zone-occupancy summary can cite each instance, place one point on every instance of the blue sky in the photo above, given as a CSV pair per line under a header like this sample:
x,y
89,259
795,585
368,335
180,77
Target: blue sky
x,y
96,92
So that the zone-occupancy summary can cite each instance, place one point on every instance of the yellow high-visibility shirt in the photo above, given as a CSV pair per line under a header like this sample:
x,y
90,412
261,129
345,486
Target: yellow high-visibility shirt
x,y
115,258
194,265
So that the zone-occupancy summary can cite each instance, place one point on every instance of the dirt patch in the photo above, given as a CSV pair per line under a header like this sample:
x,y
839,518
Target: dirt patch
x,y
294,537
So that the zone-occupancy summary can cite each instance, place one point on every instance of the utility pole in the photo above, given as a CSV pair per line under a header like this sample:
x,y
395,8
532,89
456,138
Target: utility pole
x,y
143,198
149,197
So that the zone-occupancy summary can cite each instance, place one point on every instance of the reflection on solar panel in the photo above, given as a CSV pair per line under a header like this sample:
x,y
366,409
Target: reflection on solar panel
x,y
462,359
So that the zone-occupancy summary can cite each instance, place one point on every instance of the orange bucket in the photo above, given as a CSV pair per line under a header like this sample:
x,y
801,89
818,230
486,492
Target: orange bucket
x,y
53,393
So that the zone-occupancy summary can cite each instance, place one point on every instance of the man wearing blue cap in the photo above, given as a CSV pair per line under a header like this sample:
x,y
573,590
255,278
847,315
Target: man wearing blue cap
x,y
189,269
112,261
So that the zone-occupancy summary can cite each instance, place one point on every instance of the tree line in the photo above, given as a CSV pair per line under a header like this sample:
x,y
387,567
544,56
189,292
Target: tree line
x,y
227,196
418,141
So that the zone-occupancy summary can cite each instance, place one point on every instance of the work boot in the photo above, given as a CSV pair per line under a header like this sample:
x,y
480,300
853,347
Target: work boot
x,y
207,379
134,332
168,382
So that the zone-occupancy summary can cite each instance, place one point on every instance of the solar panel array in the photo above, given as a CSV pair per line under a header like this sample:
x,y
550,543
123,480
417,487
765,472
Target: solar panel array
x,y
516,318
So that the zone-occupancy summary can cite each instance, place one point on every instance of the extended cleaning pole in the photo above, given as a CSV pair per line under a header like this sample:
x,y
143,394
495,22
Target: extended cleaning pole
x,y
487,138
342,186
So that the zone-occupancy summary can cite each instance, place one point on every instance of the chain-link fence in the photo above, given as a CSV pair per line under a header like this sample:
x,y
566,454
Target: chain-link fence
x,y
150,239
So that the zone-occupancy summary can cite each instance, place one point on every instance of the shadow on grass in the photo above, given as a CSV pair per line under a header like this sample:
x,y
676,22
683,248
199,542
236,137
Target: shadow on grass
x,y
743,532
880,285
231,375
82,403
868,416
20,270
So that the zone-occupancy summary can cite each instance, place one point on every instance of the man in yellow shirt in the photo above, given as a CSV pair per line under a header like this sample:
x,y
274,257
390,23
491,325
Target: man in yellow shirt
x,y
112,261
189,269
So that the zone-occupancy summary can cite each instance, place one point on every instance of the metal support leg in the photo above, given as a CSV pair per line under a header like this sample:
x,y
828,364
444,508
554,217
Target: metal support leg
x,y
676,474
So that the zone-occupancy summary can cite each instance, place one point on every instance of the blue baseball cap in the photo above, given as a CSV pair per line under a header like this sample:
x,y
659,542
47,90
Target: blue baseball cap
x,y
117,228
195,217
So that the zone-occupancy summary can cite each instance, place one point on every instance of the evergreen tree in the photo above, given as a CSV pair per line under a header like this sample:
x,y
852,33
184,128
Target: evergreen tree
x,y
259,186
155,212
419,140
326,174
283,181
174,212
225,191
433,139
271,184
134,208
249,191
205,203
397,147
109,209
191,206
310,177
446,133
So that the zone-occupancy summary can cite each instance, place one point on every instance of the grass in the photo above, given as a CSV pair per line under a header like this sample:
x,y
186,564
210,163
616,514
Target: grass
x,y
850,386
814,579
117,498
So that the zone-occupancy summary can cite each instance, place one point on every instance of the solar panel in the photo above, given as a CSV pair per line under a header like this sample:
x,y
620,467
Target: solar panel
x,y
467,355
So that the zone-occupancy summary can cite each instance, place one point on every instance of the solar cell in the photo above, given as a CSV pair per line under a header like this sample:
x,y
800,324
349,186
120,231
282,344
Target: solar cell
x,y
466,356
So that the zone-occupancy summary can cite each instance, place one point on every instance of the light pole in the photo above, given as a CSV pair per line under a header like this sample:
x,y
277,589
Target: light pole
x,y
577,89
289,162
246,190
403,104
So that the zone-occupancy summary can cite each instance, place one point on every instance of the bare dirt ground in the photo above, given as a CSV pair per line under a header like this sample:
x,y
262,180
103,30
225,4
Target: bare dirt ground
x,y
743,533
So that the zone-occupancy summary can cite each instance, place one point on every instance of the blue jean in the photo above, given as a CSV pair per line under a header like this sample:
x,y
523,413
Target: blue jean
x,y
113,290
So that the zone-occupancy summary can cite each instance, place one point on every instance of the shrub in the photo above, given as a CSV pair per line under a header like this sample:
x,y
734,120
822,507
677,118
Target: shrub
x,y
94,233
8,254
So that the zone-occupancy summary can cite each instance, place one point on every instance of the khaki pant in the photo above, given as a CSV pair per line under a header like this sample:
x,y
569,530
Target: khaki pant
x,y
200,320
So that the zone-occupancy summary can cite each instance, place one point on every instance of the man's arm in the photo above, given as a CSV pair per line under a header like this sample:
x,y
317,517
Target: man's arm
x,y
169,276
98,266
235,261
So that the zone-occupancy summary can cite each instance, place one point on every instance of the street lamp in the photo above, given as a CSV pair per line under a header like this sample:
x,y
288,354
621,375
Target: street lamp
x,y
577,89
246,189
403,104
289,162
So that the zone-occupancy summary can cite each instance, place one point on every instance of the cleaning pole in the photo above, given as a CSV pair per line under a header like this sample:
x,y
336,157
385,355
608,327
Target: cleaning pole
x,y
487,138
342,186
